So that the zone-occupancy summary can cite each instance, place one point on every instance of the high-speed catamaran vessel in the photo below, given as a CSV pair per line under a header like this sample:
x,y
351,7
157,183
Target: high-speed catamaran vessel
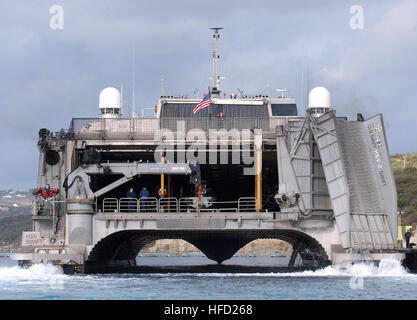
x,y
238,169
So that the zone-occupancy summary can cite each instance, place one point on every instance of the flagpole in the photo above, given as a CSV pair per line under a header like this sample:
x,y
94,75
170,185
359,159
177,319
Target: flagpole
x,y
209,106
216,78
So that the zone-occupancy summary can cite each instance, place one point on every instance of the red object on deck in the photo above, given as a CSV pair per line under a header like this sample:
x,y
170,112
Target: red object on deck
x,y
200,190
42,192
160,192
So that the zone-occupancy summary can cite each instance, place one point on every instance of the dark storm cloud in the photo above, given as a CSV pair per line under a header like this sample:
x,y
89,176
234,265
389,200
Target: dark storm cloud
x,y
48,77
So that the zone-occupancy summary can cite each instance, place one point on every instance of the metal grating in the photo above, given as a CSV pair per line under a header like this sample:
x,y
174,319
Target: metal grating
x,y
354,188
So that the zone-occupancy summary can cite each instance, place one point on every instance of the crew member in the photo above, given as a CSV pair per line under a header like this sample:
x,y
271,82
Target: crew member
x,y
131,194
144,193
407,236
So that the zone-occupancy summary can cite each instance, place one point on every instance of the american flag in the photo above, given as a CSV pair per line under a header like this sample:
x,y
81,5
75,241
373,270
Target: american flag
x,y
205,103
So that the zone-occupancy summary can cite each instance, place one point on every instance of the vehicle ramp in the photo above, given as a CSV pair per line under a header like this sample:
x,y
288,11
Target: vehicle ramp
x,y
359,177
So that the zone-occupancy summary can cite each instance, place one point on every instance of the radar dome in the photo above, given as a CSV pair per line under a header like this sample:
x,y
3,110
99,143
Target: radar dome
x,y
319,97
109,98
319,101
109,103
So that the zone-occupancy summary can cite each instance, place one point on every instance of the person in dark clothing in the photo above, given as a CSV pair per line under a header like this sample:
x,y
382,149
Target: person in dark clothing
x,y
407,238
131,194
143,194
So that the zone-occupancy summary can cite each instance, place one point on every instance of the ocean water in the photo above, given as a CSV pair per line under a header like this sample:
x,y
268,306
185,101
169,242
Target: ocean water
x,y
362,281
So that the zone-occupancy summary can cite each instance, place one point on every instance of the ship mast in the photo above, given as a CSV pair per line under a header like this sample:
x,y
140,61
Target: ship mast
x,y
216,78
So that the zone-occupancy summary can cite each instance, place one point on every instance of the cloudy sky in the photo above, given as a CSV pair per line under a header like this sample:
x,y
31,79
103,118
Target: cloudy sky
x,y
48,76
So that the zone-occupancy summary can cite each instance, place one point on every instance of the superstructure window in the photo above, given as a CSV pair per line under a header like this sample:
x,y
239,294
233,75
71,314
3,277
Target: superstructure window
x,y
110,111
185,110
285,109
318,110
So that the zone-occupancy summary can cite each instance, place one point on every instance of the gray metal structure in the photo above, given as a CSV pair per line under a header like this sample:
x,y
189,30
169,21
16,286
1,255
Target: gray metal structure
x,y
322,183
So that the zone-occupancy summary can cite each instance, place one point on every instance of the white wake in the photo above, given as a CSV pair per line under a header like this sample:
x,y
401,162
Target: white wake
x,y
385,268
36,272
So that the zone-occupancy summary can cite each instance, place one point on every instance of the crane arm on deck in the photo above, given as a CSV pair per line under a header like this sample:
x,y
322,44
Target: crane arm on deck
x,y
79,187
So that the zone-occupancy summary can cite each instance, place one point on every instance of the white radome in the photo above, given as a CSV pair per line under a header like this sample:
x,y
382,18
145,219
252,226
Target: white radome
x,y
110,98
319,97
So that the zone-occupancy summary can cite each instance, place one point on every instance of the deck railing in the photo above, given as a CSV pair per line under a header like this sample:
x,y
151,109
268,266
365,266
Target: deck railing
x,y
149,128
174,205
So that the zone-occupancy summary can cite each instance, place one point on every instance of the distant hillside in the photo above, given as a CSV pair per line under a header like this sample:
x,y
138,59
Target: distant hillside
x,y
11,227
15,210
405,174
398,162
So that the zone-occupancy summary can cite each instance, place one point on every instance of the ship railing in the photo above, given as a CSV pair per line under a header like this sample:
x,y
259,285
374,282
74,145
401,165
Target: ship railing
x,y
213,210
41,207
45,207
247,204
128,205
168,204
149,128
107,128
37,208
110,205
134,205
206,124
148,204
187,204
191,204
182,205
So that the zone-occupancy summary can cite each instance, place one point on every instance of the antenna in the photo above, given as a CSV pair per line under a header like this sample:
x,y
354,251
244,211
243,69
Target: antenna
x,y
302,89
122,103
241,92
282,92
162,87
216,57
308,81
304,84
133,80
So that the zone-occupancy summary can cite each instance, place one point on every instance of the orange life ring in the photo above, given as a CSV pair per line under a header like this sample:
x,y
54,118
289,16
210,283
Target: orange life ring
x,y
160,192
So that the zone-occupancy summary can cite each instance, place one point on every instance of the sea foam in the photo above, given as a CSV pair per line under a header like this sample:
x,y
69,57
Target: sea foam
x,y
385,268
35,272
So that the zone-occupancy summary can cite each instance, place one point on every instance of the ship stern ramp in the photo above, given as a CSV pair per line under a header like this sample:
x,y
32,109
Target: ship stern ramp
x,y
360,184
